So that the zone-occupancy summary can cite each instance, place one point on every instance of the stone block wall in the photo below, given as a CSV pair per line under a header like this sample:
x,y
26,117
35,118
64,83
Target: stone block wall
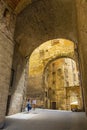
x,y
18,88
81,6
57,92
45,20
7,24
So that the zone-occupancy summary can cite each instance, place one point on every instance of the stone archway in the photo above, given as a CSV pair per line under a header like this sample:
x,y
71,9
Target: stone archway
x,y
39,22
41,57
42,21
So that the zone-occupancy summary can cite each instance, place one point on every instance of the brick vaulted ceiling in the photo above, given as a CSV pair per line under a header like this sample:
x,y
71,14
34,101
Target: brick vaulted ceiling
x,y
18,5
12,3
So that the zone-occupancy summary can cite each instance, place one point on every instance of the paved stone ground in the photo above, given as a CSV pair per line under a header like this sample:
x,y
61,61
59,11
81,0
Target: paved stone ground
x,y
42,119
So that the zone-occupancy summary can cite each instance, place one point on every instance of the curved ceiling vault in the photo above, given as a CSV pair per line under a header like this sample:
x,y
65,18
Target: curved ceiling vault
x,y
47,52
18,5
44,20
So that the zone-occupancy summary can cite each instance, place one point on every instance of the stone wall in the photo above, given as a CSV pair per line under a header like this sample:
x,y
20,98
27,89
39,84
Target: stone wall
x,y
45,20
7,24
42,55
59,90
42,21
81,6
18,88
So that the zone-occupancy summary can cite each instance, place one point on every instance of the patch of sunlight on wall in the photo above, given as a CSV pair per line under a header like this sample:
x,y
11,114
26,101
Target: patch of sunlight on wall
x,y
48,51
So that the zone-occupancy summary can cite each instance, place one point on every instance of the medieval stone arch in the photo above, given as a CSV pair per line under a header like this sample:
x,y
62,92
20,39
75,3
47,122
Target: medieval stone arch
x,y
37,23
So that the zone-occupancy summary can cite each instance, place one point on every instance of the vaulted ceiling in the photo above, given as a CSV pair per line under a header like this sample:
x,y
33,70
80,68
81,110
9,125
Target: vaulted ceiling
x,y
12,3
45,20
18,5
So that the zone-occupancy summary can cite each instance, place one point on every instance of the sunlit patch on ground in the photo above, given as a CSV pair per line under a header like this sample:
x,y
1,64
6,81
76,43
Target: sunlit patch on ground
x,y
23,115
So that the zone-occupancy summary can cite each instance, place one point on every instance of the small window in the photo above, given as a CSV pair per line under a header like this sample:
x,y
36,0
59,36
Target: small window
x,y
53,82
46,94
53,73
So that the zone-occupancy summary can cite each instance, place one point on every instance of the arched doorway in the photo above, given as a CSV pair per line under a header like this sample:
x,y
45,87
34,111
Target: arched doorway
x,y
41,56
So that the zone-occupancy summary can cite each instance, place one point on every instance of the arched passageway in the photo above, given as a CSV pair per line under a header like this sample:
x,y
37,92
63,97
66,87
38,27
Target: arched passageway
x,y
38,22
39,60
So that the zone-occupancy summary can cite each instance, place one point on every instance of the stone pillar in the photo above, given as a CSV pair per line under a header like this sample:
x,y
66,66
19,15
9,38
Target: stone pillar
x,y
6,53
18,88
81,7
25,96
6,56
17,96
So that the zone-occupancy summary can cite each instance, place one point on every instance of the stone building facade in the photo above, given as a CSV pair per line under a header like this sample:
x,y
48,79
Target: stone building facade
x,y
62,86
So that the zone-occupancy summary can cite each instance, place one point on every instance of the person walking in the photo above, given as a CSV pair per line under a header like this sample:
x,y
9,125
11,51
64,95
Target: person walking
x,y
28,105
34,104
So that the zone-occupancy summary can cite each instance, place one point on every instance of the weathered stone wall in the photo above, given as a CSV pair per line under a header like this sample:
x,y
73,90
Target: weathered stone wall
x,y
18,89
35,86
55,87
81,6
42,55
7,24
39,22
45,20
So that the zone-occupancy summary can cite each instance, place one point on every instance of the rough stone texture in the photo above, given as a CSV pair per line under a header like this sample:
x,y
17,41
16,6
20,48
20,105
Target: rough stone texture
x,y
42,55
71,73
82,43
37,23
48,51
45,20
6,56
42,21
18,88
21,5
18,5
61,89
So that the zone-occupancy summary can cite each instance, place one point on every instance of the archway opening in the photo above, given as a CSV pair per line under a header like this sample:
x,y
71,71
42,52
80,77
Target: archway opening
x,y
40,60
